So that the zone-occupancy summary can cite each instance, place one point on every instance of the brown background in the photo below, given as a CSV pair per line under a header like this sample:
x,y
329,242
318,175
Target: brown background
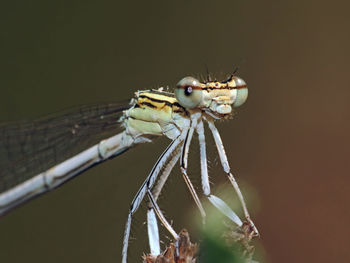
x,y
289,143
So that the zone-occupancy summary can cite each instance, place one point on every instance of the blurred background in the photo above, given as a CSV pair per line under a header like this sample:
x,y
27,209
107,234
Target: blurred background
x,y
288,145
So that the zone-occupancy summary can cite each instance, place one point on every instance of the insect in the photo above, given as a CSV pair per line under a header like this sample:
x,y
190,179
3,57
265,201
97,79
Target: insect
x,y
150,114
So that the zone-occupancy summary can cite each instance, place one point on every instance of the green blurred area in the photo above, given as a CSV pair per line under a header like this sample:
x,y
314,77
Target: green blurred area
x,y
213,251
289,142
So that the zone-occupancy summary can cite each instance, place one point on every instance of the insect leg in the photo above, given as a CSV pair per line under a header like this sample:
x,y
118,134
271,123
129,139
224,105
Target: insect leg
x,y
227,169
148,183
152,226
183,164
216,201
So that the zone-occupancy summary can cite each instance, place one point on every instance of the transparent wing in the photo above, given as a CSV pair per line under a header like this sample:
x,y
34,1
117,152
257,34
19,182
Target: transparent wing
x,y
28,148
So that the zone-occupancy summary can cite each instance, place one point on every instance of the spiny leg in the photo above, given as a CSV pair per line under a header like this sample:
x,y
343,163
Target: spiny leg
x,y
216,201
227,169
161,216
152,225
153,196
148,183
183,164
151,218
156,190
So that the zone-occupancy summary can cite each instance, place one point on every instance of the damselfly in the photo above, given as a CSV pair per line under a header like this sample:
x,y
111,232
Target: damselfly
x,y
34,154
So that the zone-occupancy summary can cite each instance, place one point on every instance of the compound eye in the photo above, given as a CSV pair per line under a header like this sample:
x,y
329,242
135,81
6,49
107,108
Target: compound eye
x,y
188,92
242,95
242,92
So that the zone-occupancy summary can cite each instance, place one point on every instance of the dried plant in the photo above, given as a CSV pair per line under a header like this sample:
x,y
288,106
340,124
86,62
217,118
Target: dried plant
x,y
234,245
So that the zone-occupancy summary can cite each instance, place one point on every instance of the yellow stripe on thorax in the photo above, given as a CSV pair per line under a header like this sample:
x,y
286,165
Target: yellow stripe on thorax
x,y
160,97
154,107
